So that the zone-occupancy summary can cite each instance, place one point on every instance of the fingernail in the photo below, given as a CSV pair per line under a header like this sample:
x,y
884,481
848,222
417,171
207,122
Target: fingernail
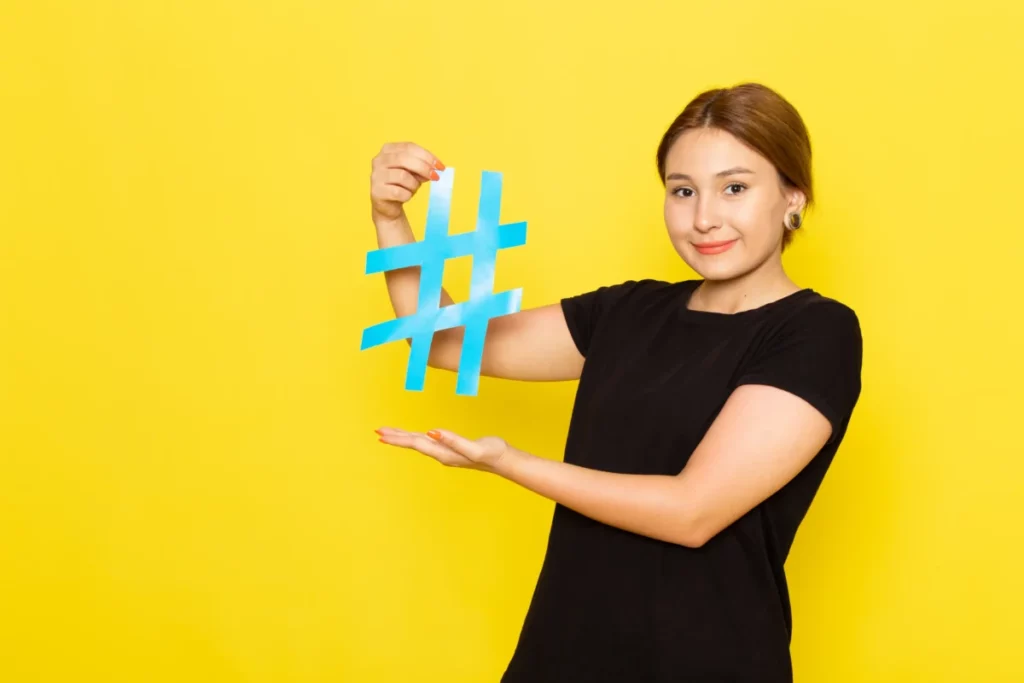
x,y
434,176
434,434
378,432
438,165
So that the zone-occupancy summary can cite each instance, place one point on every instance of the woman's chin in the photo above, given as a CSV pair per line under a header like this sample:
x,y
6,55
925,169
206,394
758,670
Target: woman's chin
x,y
714,267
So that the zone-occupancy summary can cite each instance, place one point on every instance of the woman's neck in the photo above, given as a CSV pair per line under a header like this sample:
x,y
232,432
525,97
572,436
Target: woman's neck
x,y
744,293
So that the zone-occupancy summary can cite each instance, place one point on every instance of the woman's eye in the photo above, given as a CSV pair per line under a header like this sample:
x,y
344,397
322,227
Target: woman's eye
x,y
738,186
683,192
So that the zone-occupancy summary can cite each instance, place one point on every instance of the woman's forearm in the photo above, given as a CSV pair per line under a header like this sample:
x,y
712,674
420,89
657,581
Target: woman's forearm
x,y
650,505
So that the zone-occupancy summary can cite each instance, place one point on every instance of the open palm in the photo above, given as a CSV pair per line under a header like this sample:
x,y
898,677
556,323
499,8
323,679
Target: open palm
x,y
448,448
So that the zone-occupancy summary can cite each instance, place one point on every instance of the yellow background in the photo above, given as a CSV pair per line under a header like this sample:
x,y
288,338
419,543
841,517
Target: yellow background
x,y
190,487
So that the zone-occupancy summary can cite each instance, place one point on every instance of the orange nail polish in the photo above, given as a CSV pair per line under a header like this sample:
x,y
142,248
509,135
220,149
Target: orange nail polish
x,y
438,165
434,176
434,434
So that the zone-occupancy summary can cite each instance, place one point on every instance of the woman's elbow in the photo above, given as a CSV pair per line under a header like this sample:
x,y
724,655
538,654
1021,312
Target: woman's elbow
x,y
694,529
693,538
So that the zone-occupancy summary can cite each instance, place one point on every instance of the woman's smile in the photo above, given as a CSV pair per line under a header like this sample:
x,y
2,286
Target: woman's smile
x,y
714,247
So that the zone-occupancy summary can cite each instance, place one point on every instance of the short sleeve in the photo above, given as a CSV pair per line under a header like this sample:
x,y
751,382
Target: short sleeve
x,y
816,355
586,313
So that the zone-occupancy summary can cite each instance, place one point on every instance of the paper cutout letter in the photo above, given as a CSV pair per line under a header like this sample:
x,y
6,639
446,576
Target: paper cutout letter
x,y
430,254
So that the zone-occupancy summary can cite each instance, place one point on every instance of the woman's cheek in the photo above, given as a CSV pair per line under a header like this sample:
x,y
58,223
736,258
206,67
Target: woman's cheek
x,y
676,220
748,220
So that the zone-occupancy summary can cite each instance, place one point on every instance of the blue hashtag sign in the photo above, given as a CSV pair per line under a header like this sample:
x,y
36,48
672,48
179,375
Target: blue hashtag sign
x,y
430,254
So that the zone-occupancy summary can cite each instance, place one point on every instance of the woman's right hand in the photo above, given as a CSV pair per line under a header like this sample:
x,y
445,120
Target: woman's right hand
x,y
397,172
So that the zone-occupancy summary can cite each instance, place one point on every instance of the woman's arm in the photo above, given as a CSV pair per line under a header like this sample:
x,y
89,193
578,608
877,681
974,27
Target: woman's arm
x,y
761,439
533,344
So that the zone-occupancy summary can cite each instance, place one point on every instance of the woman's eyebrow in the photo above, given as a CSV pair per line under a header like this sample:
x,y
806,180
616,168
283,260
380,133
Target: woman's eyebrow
x,y
729,171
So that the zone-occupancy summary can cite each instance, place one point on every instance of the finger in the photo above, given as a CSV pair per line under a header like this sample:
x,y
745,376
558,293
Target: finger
x,y
422,153
406,437
427,446
393,193
438,451
396,437
391,430
402,178
459,444
405,152
408,162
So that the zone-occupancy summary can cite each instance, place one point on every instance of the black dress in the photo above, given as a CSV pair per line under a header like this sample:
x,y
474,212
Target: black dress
x,y
614,606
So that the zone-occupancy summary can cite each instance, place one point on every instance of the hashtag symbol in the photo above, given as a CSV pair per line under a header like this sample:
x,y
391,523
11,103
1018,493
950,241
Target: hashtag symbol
x,y
437,247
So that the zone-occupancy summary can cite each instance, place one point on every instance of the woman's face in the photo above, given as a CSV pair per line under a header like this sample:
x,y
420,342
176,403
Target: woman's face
x,y
725,205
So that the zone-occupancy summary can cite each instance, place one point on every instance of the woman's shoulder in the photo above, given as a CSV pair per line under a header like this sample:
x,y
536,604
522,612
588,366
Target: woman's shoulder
x,y
638,285
810,307
643,288
813,319
629,292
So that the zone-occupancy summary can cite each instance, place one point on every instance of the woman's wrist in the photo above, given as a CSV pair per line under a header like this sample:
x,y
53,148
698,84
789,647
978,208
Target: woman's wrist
x,y
391,223
509,462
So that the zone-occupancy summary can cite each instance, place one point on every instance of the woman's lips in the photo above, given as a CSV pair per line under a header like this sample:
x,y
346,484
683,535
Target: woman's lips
x,y
713,247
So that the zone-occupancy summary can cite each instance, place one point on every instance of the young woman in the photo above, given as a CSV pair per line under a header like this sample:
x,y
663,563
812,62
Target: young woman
x,y
706,415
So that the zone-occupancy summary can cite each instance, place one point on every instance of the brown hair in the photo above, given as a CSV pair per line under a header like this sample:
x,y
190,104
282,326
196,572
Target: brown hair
x,y
760,118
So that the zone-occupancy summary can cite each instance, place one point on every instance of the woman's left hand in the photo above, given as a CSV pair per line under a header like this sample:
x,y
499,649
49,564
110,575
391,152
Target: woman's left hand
x,y
487,453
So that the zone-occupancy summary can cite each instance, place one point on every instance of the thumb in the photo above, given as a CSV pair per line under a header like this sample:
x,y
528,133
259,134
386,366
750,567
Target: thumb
x,y
457,443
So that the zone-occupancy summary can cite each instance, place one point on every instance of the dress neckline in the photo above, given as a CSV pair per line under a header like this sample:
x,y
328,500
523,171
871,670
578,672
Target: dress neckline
x,y
715,316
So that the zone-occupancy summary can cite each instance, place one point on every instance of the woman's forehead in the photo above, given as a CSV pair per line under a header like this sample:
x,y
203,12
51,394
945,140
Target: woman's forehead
x,y
710,152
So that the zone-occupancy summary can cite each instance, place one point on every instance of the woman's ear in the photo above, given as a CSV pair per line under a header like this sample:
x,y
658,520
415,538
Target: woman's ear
x,y
797,201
